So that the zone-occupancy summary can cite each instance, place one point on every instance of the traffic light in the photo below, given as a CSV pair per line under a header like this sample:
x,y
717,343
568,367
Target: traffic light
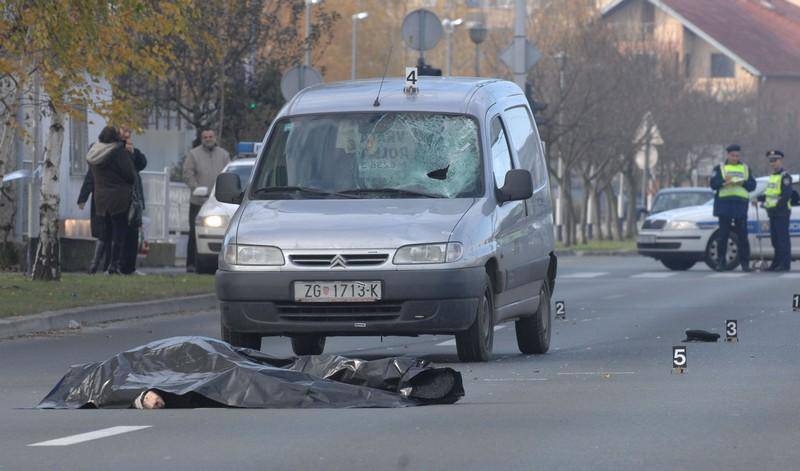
x,y
252,105
425,69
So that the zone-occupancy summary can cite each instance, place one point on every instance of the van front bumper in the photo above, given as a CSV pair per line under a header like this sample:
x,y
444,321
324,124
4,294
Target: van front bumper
x,y
415,302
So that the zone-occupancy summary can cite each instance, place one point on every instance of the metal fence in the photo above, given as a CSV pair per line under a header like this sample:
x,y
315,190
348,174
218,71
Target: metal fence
x,y
167,206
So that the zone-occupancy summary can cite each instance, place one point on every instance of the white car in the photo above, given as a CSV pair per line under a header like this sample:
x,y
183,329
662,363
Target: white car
x,y
682,237
213,218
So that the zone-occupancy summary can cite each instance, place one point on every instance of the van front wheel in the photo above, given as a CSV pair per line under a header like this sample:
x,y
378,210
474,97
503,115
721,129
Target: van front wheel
x,y
533,332
475,343
308,344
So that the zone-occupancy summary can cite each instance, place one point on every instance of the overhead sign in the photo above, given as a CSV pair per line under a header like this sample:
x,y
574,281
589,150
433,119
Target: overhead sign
x,y
298,78
421,30
532,56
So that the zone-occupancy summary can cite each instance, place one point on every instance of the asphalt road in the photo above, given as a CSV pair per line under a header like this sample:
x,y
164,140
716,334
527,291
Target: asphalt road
x,y
604,397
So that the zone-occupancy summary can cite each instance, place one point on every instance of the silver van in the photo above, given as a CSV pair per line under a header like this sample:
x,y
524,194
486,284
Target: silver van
x,y
399,212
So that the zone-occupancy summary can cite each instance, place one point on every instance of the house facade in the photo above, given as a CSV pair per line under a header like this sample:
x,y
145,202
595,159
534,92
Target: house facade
x,y
725,46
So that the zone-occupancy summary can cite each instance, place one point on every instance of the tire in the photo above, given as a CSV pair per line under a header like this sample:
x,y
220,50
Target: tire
x,y
732,255
308,344
533,332
206,264
475,343
678,264
240,339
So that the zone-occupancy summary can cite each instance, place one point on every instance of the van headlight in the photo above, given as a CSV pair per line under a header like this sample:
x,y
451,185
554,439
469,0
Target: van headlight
x,y
680,225
213,220
235,254
429,253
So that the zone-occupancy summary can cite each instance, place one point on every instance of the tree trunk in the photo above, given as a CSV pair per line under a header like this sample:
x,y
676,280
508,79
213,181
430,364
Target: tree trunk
x,y
47,262
584,214
631,188
595,209
613,215
568,213
8,131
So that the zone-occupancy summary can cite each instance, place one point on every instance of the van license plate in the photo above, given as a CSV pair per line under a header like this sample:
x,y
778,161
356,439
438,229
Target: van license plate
x,y
337,292
647,239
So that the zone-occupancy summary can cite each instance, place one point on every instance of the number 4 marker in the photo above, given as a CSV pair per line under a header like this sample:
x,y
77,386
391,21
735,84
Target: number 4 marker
x,y
411,80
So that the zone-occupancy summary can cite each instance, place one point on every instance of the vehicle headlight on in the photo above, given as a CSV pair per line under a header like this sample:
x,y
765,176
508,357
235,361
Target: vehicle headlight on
x,y
429,253
681,225
212,220
263,255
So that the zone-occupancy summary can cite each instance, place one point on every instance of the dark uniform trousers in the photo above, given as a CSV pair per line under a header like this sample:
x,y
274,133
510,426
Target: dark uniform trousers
x,y
781,242
740,229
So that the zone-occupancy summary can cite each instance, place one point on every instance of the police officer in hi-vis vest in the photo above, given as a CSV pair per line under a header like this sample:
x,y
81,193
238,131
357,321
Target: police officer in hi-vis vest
x,y
732,181
776,200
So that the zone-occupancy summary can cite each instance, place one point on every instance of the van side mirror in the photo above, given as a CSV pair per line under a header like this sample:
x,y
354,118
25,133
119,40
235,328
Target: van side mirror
x,y
518,186
229,189
201,191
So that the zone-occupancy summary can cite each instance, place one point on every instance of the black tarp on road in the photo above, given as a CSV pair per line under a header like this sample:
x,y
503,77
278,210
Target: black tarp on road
x,y
206,372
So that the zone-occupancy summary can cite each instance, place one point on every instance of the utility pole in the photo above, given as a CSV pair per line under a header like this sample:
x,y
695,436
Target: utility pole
x,y
519,66
354,49
37,149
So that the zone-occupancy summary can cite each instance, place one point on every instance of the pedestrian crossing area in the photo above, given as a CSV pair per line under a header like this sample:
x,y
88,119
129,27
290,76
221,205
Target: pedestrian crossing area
x,y
657,275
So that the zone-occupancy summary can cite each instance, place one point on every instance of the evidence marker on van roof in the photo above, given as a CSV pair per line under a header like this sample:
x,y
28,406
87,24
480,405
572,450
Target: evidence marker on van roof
x,y
428,214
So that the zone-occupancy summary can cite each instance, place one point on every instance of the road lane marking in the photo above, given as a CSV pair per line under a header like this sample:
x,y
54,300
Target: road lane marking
x,y
88,436
584,275
726,275
510,380
596,373
452,342
654,274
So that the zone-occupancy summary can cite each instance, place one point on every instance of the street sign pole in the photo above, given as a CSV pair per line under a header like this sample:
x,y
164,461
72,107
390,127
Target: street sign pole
x,y
519,66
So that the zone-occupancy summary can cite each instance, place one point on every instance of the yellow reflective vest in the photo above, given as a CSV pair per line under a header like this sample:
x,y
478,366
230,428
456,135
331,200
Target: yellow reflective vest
x,y
739,173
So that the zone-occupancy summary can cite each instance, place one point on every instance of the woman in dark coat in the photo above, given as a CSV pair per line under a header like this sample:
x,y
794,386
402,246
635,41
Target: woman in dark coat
x,y
101,227
114,177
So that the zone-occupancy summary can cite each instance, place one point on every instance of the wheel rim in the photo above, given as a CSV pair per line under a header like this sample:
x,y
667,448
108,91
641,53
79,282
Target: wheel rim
x,y
730,254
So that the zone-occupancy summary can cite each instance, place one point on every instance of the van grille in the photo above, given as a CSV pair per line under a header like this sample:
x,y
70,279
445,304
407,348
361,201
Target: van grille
x,y
350,260
338,312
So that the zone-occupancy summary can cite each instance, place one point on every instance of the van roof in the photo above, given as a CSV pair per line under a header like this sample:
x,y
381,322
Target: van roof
x,y
436,94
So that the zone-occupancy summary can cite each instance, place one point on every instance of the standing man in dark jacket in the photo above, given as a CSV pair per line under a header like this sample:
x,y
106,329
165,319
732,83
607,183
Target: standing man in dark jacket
x,y
131,249
114,177
732,181
776,201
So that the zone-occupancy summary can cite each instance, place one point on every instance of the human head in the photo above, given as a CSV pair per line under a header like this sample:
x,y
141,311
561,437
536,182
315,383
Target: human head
x,y
208,138
124,133
149,399
775,159
108,135
733,153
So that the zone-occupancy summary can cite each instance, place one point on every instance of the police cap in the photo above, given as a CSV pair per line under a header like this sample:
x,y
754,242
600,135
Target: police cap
x,y
733,148
774,154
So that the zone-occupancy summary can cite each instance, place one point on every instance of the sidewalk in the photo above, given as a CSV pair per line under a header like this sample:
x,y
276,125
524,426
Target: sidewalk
x,y
75,318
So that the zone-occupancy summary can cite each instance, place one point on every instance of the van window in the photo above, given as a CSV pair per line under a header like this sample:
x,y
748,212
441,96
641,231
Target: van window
x,y
526,142
372,155
501,156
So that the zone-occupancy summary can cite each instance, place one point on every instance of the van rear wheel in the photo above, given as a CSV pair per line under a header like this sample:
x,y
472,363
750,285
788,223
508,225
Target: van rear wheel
x,y
308,344
475,343
533,332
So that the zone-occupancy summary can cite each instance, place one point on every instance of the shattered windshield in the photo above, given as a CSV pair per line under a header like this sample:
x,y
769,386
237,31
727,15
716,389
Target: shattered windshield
x,y
371,155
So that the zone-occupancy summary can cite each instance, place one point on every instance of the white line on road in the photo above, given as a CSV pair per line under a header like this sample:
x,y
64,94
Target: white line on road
x,y
726,275
576,373
452,342
654,274
584,275
510,380
88,436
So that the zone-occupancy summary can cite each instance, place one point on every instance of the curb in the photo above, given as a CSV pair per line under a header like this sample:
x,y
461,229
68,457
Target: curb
x,y
90,315
590,253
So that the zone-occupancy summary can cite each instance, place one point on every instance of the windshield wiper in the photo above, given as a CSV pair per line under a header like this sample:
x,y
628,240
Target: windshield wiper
x,y
391,191
297,189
